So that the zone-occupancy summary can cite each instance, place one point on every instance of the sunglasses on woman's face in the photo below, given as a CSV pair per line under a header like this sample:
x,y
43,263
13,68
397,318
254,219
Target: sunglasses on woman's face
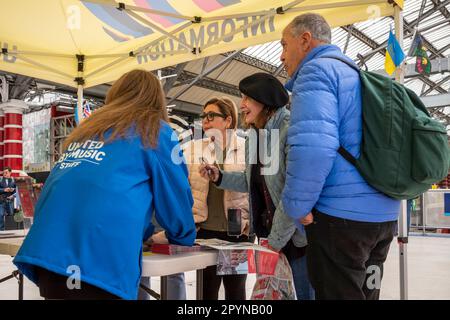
x,y
211,115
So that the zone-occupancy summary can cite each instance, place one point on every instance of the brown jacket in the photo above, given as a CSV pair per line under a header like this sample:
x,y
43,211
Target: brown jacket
x,y
234,161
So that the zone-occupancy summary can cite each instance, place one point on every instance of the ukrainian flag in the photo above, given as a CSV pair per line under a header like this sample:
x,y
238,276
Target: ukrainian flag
x,y
394,54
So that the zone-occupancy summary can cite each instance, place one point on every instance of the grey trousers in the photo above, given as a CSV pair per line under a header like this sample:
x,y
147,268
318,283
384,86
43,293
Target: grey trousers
x,y
176,288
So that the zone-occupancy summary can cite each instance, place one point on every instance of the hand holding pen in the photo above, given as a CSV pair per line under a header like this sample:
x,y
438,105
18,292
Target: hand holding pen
x,y
209,172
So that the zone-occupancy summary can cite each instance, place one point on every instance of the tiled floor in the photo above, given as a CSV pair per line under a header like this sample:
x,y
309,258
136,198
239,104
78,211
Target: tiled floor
x,y
428,266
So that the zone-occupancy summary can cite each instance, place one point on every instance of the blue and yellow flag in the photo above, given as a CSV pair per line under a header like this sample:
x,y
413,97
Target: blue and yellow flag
x,y
394,54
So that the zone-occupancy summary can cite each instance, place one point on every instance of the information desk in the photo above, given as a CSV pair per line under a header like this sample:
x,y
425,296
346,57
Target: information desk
x,y
153,265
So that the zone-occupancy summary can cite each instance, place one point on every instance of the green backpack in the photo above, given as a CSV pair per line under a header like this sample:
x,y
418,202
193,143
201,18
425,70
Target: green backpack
x,y
403,150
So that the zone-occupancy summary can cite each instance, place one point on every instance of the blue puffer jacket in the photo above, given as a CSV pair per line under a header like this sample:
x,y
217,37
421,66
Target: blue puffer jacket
x,y
326,113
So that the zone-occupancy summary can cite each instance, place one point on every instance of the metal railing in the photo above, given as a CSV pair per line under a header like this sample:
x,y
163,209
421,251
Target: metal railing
x,y
426,219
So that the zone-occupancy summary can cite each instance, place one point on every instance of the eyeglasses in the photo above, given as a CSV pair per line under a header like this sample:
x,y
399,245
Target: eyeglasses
x,y
211,115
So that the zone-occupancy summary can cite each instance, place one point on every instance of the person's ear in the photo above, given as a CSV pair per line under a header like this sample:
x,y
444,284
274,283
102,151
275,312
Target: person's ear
x,y
306,39
229,120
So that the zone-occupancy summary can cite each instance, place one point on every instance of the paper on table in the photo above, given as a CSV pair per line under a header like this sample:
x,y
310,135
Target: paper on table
x,y
231,262
6,233
226,245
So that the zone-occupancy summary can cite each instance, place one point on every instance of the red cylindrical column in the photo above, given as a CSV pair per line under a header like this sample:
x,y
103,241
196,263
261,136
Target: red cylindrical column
x,y
12,135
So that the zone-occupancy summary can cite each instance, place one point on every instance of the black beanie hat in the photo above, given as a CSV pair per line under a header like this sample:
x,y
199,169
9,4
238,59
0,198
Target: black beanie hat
x,y
266,89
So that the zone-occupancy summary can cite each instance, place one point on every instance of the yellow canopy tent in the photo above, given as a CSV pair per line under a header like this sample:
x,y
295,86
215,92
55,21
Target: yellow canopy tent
x,y
99,40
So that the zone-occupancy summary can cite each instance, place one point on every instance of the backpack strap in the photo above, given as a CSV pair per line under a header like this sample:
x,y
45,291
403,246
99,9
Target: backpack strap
x,y
347,155
351,65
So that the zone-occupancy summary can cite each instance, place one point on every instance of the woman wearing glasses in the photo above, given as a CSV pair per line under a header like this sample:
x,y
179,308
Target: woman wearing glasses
x,y
223,148
264,112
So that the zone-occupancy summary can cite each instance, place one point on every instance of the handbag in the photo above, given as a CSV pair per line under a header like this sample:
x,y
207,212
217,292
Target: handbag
x,y
18,216
279,286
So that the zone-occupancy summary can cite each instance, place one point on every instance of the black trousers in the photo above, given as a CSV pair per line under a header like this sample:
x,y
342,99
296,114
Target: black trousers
x,y
234,285
345,257
53,286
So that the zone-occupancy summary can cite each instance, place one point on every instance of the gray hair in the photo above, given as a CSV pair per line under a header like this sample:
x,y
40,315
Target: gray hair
x,y
314,23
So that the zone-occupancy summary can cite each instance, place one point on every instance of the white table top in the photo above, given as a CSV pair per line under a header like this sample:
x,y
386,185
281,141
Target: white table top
x,y
13,233
10,246
154,265
157,265
11,240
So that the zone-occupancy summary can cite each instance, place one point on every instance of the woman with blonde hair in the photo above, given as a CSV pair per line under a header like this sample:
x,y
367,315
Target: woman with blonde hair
x,y
96,207
212,205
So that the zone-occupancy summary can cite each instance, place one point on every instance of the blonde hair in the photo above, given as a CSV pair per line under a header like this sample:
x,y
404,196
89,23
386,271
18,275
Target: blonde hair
x,y
135,100
227,107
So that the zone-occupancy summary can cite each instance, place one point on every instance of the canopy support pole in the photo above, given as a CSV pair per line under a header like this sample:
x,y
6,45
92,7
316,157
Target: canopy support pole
x,y
79,111
403,216
122,6
279,10
160,39
80,84
141,51
109,65
268,14
34,63
338,5
154,26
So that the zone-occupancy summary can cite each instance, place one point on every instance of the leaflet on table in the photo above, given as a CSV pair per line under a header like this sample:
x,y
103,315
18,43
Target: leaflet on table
x,y
246,261
234,262
226,245
172,249
241,257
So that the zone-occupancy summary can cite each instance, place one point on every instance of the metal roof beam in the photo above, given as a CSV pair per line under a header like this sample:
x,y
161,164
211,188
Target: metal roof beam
x,y
186,108
429,12
437,100
215,85
171,81
187,77
443,49
374,45
422,8
441,82
347,41
205,73
408,30
438,65
442,9
264,66
432,83
279,70
20,87
361,36
440,114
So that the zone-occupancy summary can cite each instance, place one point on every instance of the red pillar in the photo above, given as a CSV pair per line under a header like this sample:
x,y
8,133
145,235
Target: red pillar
x,y
12,135
2,119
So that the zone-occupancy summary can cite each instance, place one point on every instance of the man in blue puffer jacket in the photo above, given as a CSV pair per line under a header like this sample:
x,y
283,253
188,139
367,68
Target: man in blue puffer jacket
x,y
349,225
